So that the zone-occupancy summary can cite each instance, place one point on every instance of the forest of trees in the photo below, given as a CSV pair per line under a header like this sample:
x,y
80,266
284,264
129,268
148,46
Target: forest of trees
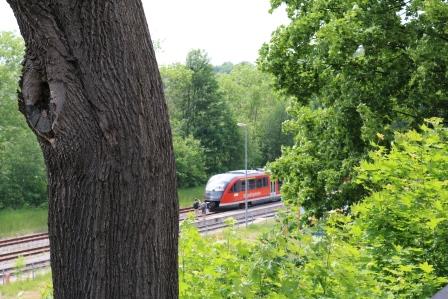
x,y
205,104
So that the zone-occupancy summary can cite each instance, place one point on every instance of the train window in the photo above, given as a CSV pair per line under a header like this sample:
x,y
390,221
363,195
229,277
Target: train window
x,y
252,184
259,183
265,181
235,188
242,185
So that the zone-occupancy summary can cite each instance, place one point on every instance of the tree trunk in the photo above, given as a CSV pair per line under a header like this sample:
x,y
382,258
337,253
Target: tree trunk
x,y
91,91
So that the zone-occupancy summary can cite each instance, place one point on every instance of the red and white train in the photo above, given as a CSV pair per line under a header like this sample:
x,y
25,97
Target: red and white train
x,y
228,189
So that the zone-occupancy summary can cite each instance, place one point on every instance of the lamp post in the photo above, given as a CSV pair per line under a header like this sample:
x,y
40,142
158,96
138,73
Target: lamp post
x,y
245,168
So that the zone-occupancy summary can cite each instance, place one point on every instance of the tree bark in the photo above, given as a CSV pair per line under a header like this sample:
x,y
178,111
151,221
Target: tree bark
x,y
91,91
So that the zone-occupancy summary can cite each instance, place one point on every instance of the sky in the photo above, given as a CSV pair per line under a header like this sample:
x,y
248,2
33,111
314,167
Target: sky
x,y
228,30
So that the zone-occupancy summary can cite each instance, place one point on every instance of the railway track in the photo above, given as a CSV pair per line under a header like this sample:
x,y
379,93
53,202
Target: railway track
x,y
35,249
218,226
25,252
205,223
23,239
185,210
43,236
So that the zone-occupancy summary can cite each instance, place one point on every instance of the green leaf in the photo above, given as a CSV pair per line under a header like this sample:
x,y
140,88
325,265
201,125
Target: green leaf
x,y
427,268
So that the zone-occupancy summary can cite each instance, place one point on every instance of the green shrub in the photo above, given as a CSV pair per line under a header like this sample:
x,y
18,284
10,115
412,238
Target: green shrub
x,y
190,161
211,269
393,244
404,220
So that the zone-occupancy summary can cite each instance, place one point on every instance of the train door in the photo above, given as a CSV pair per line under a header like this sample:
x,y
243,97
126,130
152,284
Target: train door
x,y
273,194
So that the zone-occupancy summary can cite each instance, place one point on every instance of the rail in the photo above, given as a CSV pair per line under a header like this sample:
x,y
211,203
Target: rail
x,y
44,236
205,223
25,252
23,239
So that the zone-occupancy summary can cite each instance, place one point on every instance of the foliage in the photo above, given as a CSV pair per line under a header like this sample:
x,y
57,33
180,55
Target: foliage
x,y
405,218
393,244
313,264
252,99
210,269
277,266
206,102
22,170
190,161
318,169
210,119
177,85
248,91
355,69
197,106
226,68
271,138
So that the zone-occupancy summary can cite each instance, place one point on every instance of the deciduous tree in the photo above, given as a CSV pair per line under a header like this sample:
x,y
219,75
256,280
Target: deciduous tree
x,y
253,100
356,69
92,94
190,161
198,106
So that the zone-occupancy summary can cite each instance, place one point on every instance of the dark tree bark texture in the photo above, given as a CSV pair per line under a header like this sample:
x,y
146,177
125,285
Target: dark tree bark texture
x,y
92,93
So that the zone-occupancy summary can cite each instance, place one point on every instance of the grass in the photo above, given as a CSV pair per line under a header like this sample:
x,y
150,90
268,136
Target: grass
x,y
34,220
29,289
22,221
252,232
188,195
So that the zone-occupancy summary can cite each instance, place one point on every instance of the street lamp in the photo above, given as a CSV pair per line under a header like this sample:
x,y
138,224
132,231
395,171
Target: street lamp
x,y
245,168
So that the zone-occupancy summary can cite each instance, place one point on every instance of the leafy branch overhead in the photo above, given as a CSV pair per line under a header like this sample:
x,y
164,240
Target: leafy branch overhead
x,y
355,69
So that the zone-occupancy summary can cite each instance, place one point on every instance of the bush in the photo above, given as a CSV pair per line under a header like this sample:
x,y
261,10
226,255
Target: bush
x,y
212,269
393,244
190,161
404,221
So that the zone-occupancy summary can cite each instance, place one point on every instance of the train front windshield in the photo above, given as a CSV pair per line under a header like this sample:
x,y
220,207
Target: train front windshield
x,y
216,185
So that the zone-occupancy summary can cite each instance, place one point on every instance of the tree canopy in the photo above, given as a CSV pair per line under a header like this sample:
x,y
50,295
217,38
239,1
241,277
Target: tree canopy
x,y
199,109
355,69
253,101
206,102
